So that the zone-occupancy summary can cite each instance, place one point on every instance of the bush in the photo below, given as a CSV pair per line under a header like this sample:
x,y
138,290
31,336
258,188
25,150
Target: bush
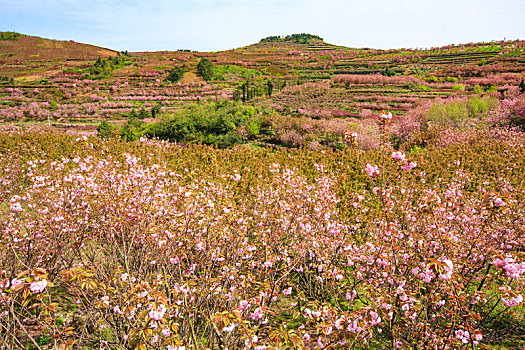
x,y
107,130
10,36
132,130
205,69
216,123
175,74
203,248
458,88
460,113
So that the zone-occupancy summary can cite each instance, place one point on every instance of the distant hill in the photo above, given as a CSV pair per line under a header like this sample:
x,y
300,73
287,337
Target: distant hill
x,y
303,41
302,38
17,47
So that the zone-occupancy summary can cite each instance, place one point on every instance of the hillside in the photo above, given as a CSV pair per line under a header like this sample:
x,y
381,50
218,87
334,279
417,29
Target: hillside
x,y
68,83
24,55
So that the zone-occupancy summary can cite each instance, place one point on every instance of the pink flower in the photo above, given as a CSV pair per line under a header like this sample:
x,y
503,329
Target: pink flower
x,y
257,314
287,291
515,301
38,287
158,314
16,207
498,202
16,282
385,116
372,170
409,166
448,267
399,155
230,328
243,304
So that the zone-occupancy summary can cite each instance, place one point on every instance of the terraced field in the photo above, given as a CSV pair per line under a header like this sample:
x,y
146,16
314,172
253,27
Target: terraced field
x,y
50,81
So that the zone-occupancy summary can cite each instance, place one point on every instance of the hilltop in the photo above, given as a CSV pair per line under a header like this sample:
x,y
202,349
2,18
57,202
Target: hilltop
x,y
33,48
32,56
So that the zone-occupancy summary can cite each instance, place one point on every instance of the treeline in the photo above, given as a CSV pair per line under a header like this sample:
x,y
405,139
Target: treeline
x,y
222,124
10,36
104,67
302,38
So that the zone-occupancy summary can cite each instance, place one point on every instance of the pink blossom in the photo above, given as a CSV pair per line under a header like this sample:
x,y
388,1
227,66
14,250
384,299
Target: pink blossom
x,y
38,287
243,304
372,170
287,291
448,267
229,328
498,202
16,207
257,314
399,155
157,314
409,166
385,116
16,282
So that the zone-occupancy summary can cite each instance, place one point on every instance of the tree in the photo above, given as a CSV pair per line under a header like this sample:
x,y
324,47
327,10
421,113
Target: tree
x,y
175,74
107,131
269,87
205,69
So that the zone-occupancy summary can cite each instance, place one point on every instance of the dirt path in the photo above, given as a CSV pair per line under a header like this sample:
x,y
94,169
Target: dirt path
x,y
191,77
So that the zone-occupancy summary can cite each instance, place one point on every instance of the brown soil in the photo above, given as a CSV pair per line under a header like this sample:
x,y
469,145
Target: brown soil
x,y
190,77
35,49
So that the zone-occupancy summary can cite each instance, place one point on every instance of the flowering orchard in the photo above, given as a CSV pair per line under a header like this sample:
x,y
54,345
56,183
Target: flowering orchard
x,y
151,245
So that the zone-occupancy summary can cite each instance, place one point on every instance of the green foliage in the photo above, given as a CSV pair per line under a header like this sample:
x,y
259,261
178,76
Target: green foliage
x,y
144,113
132,130
215,124
418,87
451,79
389,72
205,69
460,113
477,89
107,130
103,68
458,88
302,38
492,88
175,74
6,80
10,36
231,72
522,86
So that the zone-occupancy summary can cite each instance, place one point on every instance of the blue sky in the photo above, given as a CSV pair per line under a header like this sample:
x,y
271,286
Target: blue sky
x,y
208,25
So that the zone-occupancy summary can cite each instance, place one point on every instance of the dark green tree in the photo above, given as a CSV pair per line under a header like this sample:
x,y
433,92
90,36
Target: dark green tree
x,y
205,69
175,74
107,131
269,87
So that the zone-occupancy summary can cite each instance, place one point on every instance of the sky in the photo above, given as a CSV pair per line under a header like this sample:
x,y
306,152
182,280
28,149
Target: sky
x,y
214,25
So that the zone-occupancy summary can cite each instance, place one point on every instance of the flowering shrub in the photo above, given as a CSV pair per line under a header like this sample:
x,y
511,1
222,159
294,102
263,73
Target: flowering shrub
x,y
153,245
